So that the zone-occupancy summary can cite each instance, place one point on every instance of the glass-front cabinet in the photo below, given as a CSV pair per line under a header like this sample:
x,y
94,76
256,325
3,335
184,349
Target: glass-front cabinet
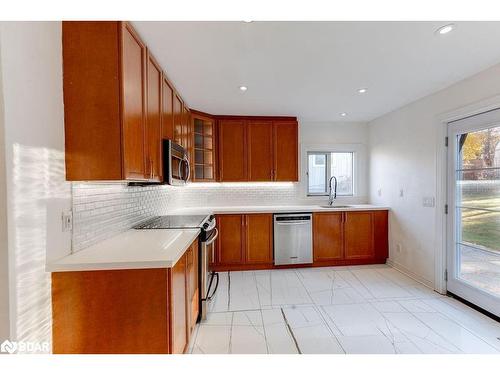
x,y
204,148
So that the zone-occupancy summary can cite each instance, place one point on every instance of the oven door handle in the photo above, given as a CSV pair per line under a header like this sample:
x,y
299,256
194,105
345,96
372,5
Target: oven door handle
x,y
214,237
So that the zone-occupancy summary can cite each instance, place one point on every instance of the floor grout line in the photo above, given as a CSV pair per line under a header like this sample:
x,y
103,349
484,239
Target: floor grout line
x,y
291,332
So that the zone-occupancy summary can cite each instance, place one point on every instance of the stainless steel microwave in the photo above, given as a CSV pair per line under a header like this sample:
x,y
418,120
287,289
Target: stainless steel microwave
x,y
176,168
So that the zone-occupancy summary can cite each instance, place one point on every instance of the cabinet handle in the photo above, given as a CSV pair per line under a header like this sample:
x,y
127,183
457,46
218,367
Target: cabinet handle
x,y
151,168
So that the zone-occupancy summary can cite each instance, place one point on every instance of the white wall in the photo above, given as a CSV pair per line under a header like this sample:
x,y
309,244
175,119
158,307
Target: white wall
x,y
403,155
343,136
31,61
4,258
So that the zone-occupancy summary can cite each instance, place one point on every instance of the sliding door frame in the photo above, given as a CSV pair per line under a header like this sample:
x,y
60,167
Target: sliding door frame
x,y
441,218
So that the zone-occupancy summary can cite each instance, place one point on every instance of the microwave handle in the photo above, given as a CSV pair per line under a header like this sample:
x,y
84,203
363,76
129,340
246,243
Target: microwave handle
x,y
186,163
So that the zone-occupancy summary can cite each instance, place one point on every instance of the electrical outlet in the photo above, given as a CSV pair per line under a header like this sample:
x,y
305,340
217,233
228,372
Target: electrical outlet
x,y
401,193
379,192
399,248
67,221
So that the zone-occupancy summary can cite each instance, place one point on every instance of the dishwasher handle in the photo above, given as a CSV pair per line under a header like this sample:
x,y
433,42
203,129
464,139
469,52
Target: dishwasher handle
x,y
293,222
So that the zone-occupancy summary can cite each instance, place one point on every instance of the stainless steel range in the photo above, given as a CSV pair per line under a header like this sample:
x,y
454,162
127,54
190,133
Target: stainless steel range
x,y
208,279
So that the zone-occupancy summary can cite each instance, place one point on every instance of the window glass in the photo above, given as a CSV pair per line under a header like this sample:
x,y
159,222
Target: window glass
x,y
323,165
341,167
317,173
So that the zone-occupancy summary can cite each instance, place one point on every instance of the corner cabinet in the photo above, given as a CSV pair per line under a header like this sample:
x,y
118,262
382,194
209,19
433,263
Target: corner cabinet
x,y
254,149
204,147
130,311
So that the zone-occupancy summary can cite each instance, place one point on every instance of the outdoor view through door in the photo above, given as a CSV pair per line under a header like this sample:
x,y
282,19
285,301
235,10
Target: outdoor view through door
x,y
476,243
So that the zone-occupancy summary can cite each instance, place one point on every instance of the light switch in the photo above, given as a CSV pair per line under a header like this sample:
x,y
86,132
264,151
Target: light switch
x,y
428,201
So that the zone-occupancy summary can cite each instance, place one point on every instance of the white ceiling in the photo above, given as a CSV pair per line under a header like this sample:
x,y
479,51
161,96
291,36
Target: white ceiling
x,y
313,69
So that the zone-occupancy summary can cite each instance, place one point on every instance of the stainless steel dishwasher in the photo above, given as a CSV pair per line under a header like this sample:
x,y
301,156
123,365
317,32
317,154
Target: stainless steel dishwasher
x,y
292,238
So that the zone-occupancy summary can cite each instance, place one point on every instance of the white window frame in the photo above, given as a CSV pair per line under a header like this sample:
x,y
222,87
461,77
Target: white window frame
x,y
360,163
328,172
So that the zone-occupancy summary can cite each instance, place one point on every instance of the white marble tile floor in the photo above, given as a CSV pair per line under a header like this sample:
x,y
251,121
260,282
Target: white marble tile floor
x,y
336,310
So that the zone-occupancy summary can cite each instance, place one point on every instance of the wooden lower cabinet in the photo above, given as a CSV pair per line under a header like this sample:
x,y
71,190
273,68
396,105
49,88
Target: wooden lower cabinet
x,y
230,243
328,236
259,239
351,237
134,311
192,288
178,307
245,241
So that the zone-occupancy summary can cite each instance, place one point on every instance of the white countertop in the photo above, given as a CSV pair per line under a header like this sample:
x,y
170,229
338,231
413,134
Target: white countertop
x,y
148,248
273,209
162,248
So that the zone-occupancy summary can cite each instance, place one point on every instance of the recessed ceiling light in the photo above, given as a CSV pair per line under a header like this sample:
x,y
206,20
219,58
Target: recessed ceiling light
x,y
445,29
243,88
343,114
247,21
362,90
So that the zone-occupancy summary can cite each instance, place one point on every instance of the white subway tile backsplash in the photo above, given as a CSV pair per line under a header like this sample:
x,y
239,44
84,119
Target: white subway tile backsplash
x,y
102,210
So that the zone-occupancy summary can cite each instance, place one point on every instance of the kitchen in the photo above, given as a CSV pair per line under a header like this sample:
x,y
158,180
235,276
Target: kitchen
x,y
198,229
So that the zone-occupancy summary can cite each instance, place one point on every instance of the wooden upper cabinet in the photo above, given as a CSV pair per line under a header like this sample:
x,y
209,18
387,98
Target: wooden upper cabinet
x,y
328,236
260,150
133,79
359,235
259,238
167,113
177,120
204,147
231,239
254,149
232,150
286,151
178,307
91,88
153,120
117,105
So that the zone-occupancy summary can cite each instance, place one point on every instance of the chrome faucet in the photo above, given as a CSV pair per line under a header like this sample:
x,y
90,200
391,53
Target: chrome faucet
x,y
333,191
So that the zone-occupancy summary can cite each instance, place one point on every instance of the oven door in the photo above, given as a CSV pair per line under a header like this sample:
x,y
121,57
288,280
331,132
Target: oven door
x,y
209,279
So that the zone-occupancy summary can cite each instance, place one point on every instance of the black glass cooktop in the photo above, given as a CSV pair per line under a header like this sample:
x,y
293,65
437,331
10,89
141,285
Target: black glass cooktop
x,y
173,222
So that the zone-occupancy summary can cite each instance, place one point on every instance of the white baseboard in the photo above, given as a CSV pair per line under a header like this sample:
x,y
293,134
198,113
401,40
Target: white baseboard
x,y
399,267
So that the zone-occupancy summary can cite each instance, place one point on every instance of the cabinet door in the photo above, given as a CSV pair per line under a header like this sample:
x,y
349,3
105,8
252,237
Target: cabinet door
x,y
328,239
133,103
177,120
204,148
359,235
286,151
192,286
178,307
167,110
259,238
260,150
232,150
153,120
231,239
185,128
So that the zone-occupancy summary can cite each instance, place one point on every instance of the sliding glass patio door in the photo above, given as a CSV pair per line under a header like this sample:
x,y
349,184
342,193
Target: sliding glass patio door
x,y
473,262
